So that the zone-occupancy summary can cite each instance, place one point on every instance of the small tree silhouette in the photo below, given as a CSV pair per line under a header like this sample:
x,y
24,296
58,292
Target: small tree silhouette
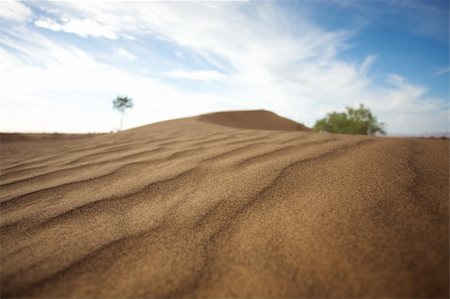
x,y
122,103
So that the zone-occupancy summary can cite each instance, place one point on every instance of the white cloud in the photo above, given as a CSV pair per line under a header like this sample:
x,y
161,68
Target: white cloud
x,y
83,28
48,24
14,11
396,79
209,75
122,53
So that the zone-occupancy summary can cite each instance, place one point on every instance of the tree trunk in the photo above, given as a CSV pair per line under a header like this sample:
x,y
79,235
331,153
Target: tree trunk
x,y
121,119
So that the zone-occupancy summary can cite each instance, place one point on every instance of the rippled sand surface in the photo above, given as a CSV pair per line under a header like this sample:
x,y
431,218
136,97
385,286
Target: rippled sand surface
x,y
190,208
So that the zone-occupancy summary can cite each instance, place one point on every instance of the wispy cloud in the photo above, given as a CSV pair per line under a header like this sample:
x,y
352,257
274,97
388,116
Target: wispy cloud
x,y
14,11
83,28
122,53
429,18
441,71
209,75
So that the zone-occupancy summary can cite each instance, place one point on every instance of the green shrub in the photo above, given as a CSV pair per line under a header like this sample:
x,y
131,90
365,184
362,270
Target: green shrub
x,y
353,121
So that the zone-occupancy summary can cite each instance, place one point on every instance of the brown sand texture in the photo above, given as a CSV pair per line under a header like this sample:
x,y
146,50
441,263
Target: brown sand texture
x,y
224,205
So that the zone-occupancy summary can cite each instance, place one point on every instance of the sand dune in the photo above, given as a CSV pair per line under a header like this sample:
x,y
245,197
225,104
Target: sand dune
x,y
241,204
256,119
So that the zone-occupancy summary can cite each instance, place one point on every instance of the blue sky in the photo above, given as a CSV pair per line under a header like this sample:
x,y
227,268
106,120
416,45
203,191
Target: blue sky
x,y
62,63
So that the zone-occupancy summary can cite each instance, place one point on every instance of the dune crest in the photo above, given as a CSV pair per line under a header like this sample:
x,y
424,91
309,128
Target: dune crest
x,y
198,208
252,119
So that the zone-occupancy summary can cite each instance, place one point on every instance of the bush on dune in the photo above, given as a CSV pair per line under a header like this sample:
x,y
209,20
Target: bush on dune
x,y
353,121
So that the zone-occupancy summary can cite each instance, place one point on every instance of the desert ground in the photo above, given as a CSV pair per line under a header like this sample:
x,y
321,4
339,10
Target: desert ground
x,y
233,204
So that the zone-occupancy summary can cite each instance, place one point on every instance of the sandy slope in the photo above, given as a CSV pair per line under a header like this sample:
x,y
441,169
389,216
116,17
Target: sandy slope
x,y
253,119
187,208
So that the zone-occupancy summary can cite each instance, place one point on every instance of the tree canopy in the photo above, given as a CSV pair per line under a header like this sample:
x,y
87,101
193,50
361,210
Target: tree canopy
x,y
122,103
353,121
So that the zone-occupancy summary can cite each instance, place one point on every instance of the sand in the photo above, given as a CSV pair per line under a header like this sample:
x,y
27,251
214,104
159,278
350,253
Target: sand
x,y
193,208
254,119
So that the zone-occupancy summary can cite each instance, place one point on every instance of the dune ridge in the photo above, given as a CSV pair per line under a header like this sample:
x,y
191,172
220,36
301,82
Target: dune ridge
x,y
252,119
195,208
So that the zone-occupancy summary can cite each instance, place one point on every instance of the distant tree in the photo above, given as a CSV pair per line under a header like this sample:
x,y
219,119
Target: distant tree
x,y
122,103
353,121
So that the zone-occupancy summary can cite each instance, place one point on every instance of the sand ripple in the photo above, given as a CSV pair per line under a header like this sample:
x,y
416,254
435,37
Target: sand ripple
x,y
189,208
